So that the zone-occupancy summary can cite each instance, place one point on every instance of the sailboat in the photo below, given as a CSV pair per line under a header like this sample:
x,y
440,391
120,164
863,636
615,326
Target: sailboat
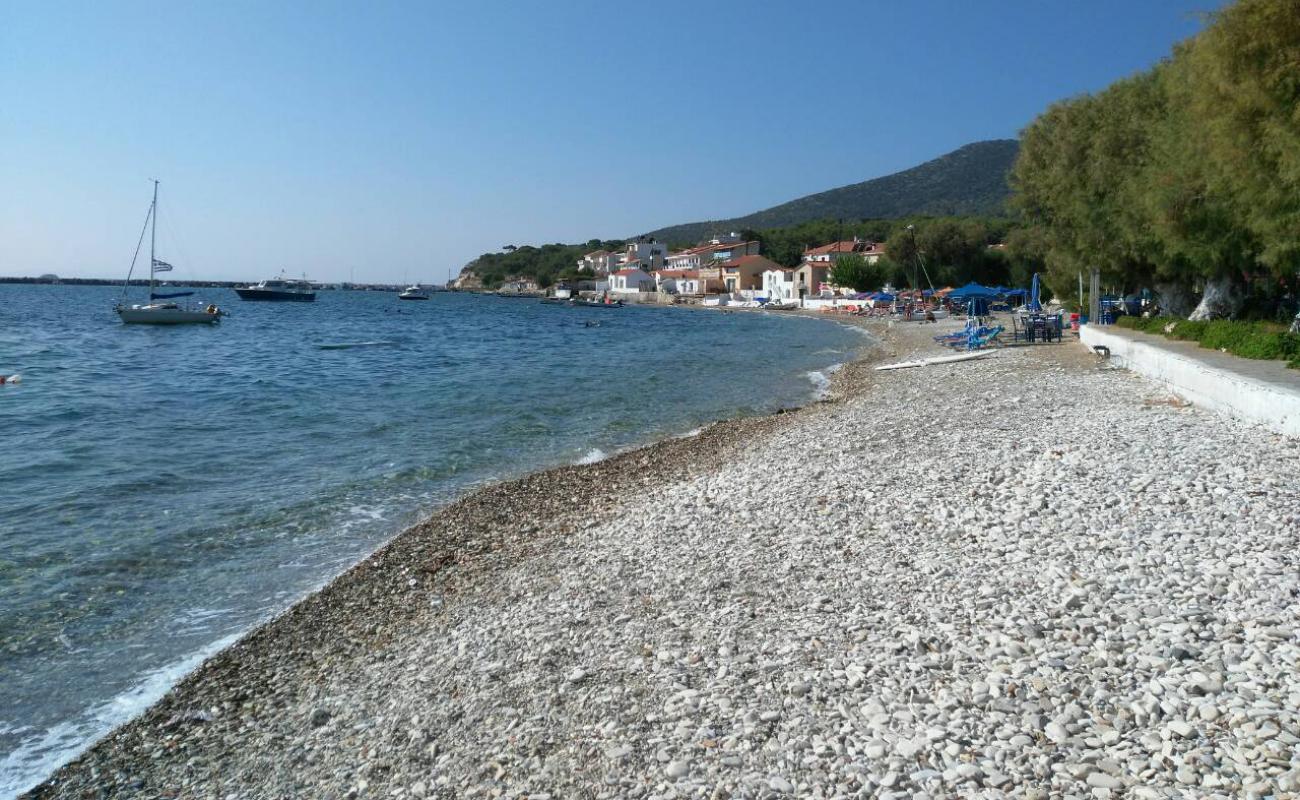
x,y
153,312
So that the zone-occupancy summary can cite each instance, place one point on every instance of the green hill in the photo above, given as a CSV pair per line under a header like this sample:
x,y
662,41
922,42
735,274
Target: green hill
x,y
969,181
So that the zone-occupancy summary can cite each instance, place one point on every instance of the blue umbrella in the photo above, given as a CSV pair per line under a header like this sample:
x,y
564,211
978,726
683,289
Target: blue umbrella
x,y
973,290
1034,303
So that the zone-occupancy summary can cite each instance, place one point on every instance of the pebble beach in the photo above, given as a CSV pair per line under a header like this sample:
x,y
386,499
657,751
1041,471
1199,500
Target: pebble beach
x,y
1026,576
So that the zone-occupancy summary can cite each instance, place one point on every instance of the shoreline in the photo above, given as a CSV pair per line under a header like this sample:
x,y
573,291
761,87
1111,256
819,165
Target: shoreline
x,y
482,510
1025,576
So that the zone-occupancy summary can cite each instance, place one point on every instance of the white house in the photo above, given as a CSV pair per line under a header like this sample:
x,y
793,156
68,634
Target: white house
x,y
650,253
830,253
601,262
630,280
779,284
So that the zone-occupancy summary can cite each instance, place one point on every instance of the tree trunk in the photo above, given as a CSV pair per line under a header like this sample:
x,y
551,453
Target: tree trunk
x,y
1175,299
1223,298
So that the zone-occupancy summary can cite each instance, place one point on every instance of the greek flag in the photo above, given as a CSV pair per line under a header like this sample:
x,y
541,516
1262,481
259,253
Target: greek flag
x,y
161,266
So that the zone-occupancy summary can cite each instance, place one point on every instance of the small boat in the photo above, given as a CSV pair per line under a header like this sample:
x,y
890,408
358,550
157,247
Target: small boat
x,y
164,313
778,305
557,301
279,290
597,303
413,292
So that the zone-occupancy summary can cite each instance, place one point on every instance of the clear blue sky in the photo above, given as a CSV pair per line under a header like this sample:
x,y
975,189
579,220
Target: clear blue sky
x,y
397,140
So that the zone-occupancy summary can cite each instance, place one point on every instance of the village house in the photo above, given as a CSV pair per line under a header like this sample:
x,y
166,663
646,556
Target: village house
x,y
830,253
685,282
601,262
648,252
813,278
779,284
744,273
719,248
813,275
631,279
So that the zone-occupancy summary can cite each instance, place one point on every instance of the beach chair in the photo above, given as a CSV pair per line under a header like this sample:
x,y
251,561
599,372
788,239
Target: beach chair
x,y
980,339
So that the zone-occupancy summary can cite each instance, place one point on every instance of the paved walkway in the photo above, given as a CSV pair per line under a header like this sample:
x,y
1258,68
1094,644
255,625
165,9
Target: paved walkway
x,y
1267,392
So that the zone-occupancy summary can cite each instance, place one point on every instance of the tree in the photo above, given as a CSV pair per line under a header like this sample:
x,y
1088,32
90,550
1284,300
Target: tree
x,y
1186,176
856,272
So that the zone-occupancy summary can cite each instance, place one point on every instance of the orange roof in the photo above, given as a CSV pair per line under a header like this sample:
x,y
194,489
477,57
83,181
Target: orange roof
x,y
709,248
678,273
852,246
625,271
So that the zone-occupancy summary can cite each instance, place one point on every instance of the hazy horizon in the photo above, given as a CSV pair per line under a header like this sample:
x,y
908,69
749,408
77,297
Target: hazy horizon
x,y
396,143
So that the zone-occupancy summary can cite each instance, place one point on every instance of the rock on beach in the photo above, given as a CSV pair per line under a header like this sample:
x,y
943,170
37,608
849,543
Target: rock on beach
x,y
1012,577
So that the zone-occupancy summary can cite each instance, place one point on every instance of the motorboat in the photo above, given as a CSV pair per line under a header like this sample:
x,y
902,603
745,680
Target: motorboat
x,y
597,303
413,292
167,312
279,290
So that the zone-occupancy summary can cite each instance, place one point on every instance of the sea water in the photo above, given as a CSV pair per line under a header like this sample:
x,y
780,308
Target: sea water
x,y
163,489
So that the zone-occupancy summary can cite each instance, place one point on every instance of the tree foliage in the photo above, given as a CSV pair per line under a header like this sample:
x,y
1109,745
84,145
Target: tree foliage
x,y
1186,173
857,273
546,264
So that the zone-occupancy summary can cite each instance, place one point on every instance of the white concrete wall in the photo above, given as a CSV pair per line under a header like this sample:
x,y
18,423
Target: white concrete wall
x,y
1274,405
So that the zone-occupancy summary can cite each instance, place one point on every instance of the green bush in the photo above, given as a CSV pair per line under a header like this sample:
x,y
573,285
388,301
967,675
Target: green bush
x,y
1265,341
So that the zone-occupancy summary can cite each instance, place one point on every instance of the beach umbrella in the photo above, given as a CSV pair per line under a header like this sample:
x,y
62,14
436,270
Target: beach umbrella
x,y
1035,290
973,290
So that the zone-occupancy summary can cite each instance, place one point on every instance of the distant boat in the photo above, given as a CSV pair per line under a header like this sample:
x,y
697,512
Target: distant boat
x,y
153,312
282,290
597,303
413,293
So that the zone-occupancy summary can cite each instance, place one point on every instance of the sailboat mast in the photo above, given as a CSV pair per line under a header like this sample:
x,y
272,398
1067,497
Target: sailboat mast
x,y
153,238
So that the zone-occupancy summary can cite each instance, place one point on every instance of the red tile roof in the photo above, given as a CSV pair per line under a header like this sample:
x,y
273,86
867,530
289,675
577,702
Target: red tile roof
x,y
850,246
625,271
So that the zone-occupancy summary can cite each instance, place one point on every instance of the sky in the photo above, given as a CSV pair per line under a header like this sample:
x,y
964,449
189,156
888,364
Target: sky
x,y
395,141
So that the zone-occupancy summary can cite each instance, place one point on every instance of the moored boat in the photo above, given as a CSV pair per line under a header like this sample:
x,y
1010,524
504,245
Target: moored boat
x,y
413,292
279,290
164,313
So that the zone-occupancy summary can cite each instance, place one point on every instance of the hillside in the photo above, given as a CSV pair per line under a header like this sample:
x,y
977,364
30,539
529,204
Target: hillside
x,y
971,180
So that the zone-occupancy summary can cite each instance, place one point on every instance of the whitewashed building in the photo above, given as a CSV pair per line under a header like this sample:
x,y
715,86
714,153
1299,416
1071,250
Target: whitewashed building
x,y
630,280
601,262
780,284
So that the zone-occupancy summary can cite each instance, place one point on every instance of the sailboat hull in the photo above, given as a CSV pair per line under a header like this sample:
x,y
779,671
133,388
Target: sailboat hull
x,y
140,315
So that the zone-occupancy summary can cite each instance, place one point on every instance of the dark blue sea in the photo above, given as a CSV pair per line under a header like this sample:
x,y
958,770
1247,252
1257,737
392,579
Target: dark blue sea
x,y
163,489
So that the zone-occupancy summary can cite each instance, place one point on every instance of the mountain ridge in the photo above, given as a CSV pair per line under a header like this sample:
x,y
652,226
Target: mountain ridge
x,y
969,181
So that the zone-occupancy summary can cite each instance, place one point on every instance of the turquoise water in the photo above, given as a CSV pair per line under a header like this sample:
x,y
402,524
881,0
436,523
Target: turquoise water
x,y
164,489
